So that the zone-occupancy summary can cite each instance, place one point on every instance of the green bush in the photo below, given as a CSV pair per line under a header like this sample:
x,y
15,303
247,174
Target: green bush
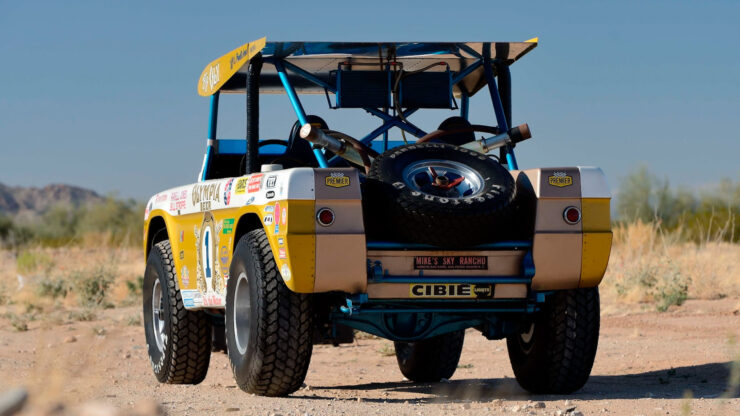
x,y
92,285
29,262
52,287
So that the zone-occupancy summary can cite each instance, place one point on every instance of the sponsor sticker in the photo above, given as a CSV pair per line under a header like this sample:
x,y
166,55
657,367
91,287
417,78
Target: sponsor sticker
x,y
188,302
560,179
268,219
241,186
270,182
281,241
450,262
178,200
227,191
337,180
450,290
270,194
285,271
182,235
160,198
185,276
282,253
182,254
284,217
254,183
277,217
228,226
270,208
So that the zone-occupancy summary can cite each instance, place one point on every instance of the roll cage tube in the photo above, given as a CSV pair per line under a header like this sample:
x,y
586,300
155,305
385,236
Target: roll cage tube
x,y
500,98
253,114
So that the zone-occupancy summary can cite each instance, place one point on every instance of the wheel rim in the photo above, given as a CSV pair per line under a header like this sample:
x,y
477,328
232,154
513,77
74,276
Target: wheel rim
x,y
443,178
525,339
242,306
158,315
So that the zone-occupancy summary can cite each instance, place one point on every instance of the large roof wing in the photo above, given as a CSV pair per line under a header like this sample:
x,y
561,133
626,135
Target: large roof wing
x,y
228,73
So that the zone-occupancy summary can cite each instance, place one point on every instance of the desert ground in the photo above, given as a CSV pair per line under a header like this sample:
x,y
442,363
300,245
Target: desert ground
x,y
668,346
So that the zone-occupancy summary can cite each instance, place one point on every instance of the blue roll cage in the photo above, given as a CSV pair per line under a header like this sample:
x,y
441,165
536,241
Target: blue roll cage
x,y
389,121
492,316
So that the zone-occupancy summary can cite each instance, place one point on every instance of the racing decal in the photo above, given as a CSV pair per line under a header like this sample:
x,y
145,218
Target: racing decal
x,y
450,290
450,263
270,194
560,179
209,278
270,208
284,216
337,180
254,183
225,255
204,194
227,191
160,198
216,73
178,200
182,254
277,217
228,226
241,186
270,182
281,241
268,219
282,253
285,271
185,276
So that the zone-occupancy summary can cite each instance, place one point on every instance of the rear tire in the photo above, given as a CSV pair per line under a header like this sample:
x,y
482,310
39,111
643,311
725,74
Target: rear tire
x,y
556,354
268,327
432,359
178,340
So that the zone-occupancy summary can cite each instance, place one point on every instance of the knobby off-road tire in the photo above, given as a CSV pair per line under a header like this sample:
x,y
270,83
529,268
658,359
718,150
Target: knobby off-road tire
x,y
557,353
405,206
431,359
178,340
268,327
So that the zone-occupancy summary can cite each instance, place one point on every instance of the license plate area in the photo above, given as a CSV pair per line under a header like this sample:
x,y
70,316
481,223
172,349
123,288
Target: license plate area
x,y
450,262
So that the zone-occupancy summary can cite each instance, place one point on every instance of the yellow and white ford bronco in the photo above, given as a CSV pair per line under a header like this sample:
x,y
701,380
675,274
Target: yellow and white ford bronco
x,y
411,235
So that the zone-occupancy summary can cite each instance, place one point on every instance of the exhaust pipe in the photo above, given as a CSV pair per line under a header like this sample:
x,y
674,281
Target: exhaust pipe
x,y
317,137
514,135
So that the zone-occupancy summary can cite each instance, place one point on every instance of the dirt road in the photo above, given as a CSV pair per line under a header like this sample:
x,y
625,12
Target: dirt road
x,y
648,363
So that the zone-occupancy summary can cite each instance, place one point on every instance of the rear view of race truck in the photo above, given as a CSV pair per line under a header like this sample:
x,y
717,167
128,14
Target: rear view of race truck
x,y
411,235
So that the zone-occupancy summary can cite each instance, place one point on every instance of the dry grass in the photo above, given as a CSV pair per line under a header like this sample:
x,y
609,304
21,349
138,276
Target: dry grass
x,y
650,266
68,282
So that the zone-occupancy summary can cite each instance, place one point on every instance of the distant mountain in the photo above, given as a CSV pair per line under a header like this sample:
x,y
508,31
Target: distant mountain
x,y
21,201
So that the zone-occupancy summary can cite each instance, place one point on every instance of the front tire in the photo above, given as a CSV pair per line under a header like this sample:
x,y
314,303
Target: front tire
x,y
268,327
432,359
178,340
555,355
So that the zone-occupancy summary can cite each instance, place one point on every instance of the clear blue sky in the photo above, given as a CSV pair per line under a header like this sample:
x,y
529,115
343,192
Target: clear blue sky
x,y
103,94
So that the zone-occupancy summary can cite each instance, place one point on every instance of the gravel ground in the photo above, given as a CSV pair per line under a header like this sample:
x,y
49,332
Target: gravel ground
x,y
648,363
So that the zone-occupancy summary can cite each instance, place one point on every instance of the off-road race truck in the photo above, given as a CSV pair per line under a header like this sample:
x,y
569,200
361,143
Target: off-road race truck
x,y
285,243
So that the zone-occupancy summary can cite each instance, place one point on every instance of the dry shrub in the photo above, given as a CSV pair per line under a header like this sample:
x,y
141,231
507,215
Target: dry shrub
x,y
650,265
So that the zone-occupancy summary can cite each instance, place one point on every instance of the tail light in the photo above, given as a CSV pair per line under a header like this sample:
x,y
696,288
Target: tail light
x,y
325,217
572,215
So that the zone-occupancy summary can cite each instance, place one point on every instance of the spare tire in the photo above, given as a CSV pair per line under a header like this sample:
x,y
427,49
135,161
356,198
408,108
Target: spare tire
x,y
438,194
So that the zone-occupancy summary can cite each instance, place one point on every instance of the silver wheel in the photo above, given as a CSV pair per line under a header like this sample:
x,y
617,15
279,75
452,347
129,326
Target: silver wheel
x,y
242,305
443,178
158,315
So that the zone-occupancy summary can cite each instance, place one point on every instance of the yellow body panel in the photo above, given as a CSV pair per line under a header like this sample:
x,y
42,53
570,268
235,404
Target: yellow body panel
x,y
595,213
290,232
596,249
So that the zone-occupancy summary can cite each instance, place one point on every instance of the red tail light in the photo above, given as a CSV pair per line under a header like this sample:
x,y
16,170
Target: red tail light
x,y
572,215
325,217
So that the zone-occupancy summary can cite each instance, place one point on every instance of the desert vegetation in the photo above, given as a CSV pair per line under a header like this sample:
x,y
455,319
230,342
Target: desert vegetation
x,y
669,245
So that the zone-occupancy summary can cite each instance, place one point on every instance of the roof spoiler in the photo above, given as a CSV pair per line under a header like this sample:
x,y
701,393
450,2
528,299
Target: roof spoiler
x,y
215,74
